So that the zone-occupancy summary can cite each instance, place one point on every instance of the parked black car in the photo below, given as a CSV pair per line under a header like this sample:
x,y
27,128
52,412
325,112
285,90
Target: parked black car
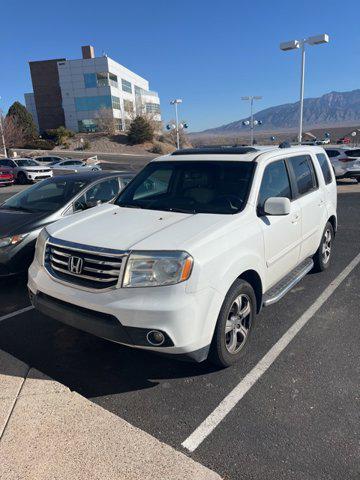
x,y
25,214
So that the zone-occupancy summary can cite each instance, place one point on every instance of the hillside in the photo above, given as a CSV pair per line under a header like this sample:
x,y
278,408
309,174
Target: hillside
x,y
331,109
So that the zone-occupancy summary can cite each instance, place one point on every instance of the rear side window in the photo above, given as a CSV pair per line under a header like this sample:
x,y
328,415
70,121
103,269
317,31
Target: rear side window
x,y
353,153
332,153
275,183
304,173
324,164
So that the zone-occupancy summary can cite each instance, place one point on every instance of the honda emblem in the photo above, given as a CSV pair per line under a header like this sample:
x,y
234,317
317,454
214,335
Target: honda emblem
x,y
75,265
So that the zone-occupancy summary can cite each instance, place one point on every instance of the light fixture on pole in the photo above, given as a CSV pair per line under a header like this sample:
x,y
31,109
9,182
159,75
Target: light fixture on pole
x,y
296,44
176,102
251,98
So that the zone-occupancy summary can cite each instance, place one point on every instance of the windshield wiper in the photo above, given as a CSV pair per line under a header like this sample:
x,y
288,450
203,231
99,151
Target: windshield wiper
x,y
181,210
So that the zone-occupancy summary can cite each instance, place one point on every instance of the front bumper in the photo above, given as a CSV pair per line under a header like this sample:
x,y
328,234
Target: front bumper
x,y
17,259
7,181
126,315
33,177
353,173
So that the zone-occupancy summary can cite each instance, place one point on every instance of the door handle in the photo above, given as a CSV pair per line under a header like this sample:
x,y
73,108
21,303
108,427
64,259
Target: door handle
x,y
321,203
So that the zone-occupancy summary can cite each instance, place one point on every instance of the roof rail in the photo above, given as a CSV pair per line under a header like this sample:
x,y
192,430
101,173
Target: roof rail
x,y
221,149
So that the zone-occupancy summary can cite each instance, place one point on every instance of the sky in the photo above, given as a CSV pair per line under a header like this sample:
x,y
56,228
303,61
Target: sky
x,y
207,53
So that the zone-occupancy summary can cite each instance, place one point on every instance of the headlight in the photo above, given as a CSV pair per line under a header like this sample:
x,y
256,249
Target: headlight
x,y
40,246
153,269
13,240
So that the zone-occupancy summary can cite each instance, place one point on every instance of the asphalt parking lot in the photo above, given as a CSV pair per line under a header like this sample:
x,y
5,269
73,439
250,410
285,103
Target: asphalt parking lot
x,y
300,420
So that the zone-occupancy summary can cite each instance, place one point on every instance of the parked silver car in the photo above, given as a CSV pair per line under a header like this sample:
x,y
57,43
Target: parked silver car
x,y
73,166
26,170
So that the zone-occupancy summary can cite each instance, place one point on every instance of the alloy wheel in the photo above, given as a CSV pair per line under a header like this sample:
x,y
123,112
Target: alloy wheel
x,y
238,324
326,246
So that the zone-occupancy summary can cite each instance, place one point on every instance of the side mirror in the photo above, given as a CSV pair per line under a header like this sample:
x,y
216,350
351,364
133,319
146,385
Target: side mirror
x,y
92,203
277,206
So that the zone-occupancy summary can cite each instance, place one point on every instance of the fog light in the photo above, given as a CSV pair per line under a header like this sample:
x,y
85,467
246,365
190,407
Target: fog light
x,y
155,338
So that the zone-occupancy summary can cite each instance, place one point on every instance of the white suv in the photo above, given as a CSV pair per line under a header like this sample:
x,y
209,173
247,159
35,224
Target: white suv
x,y
196,244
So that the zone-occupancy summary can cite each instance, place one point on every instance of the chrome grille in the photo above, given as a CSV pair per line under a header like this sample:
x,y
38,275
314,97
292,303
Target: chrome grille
x,y
84,265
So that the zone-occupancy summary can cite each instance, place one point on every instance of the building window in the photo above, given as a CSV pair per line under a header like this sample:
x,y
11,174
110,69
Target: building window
x,y
90,80
118,124
102,79
87,125
126,86
128,106
92,103
113,80
152,108
115,103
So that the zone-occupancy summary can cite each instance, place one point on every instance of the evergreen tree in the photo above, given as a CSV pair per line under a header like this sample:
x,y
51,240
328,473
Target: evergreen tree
x,y
23,119
140,131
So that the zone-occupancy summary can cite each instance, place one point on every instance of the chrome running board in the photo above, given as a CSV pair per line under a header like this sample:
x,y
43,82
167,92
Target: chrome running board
x,y
287,283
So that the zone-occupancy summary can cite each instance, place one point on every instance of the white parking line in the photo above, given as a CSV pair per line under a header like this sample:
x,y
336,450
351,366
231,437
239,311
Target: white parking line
x,y
229,402
13,314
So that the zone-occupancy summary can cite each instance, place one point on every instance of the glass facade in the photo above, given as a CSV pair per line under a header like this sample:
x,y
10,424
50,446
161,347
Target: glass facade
x,y
90,80
102,79
92,103
152,108
126,86
87,125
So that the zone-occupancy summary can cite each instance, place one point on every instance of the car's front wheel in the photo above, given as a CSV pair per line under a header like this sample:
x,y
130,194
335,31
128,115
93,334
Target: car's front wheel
x,y
22,178
323,255
235,324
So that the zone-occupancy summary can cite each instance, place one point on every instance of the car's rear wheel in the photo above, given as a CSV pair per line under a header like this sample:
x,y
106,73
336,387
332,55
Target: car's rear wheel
x,y
22,178
322,257
235,324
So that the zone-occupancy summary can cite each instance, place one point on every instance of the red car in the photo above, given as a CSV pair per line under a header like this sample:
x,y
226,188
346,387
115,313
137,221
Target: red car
x,y
6,177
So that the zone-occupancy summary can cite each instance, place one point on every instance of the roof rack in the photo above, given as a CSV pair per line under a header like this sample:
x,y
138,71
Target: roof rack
x,y
221,149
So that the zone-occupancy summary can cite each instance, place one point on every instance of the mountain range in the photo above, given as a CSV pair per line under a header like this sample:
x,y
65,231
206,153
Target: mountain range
x,y
331,109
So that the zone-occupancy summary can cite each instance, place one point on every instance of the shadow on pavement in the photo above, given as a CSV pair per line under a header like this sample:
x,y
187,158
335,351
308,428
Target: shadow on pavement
x,y
89,365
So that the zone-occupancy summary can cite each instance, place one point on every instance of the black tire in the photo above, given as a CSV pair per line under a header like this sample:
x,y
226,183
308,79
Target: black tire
x,y
322,261
21,177
219,353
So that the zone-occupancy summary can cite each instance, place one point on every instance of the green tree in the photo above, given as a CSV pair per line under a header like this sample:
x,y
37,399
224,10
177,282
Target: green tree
x,y
23,119
140,131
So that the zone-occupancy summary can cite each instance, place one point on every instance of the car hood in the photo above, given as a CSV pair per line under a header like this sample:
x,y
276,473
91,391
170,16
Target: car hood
x,y
13,222
110,226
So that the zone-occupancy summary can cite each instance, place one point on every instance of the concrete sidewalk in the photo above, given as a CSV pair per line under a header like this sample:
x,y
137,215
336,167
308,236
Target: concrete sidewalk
x,y
48,432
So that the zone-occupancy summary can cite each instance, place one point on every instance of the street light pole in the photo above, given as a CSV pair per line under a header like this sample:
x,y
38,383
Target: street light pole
x,y
176,102
2,132
296,44
302,83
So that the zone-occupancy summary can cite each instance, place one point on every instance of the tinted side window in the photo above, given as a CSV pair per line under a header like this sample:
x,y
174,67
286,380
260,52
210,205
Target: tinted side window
x,y
101,192
275,183
304,173
353,153
332,153
324,164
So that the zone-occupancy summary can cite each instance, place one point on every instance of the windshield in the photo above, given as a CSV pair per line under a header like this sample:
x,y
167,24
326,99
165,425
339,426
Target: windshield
x,y
46,196
26,163
190,187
